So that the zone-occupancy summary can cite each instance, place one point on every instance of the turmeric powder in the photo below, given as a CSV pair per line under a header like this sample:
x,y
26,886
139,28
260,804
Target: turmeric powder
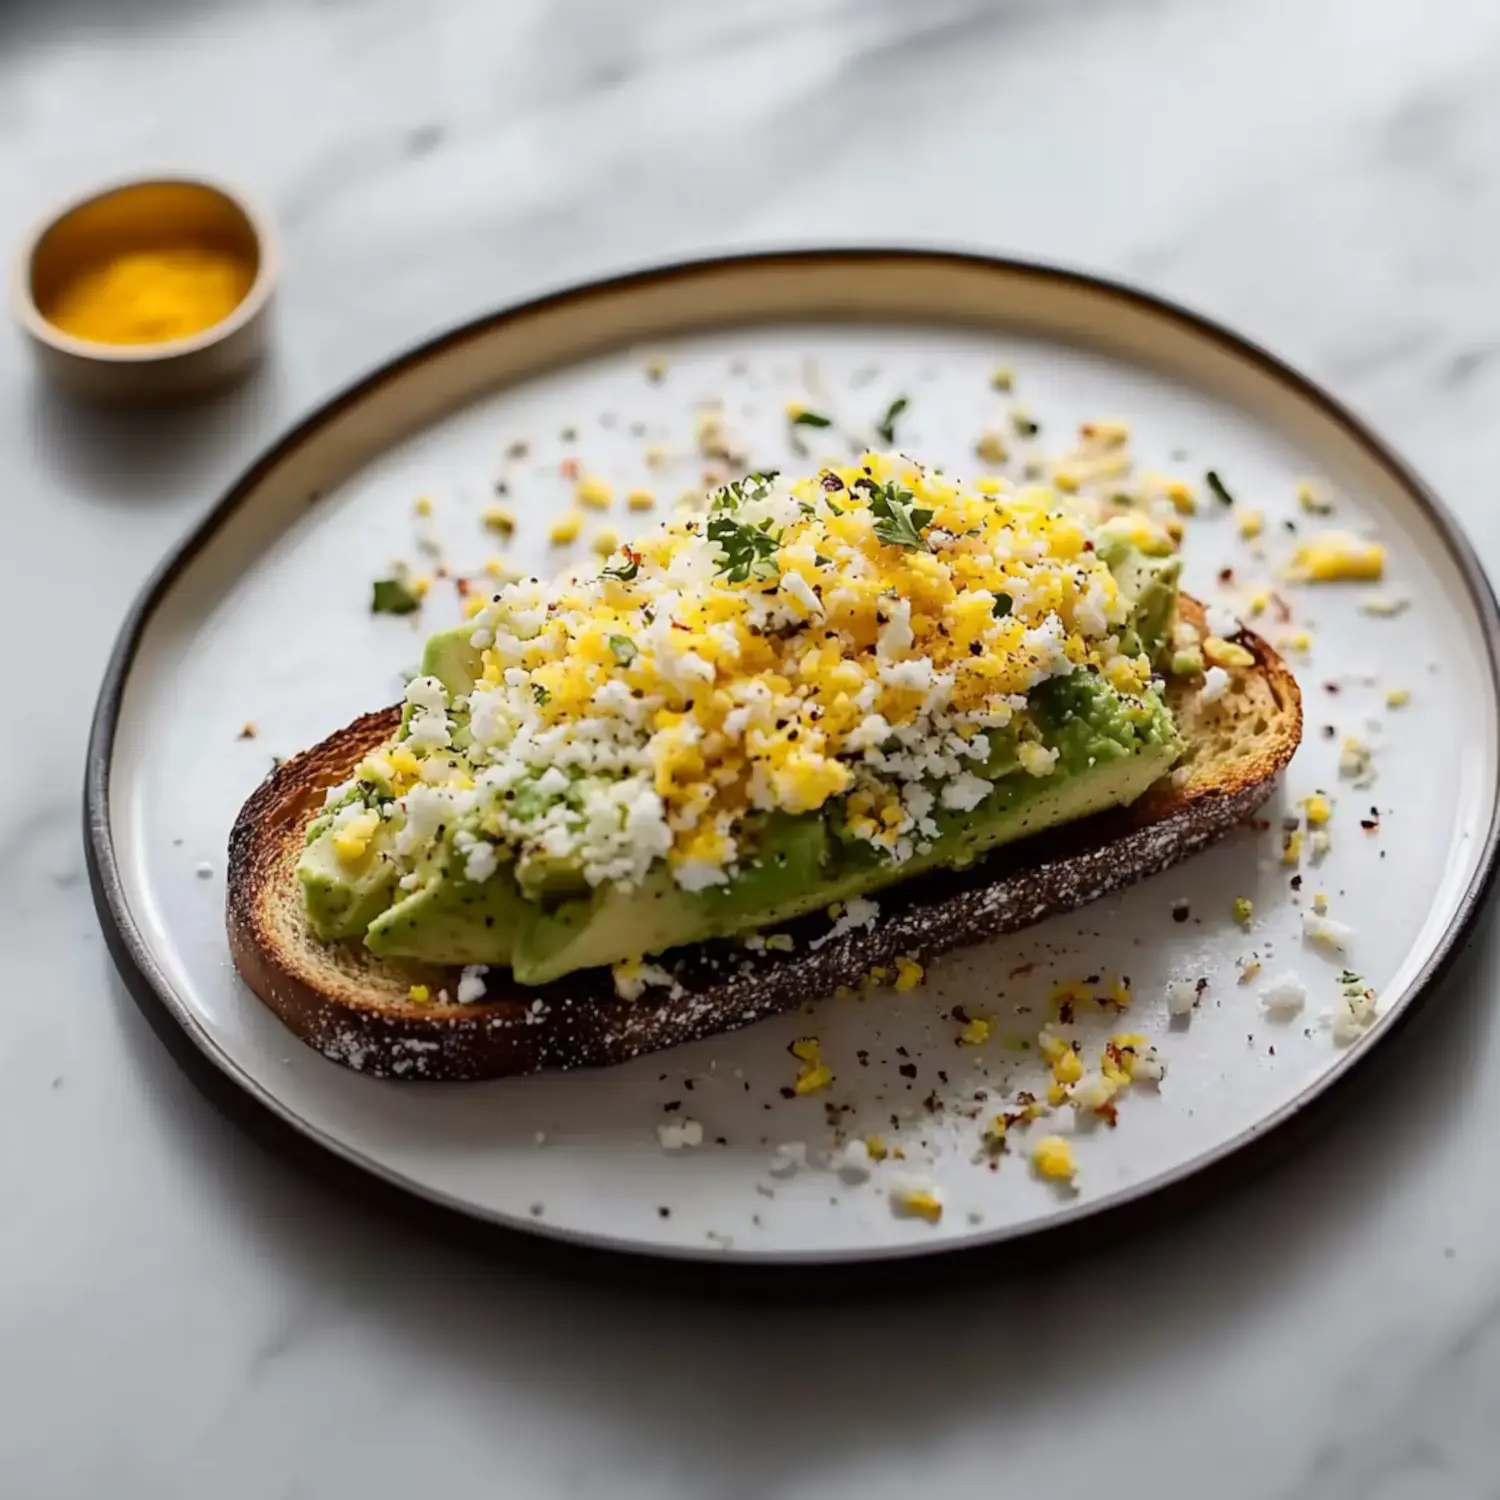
x,y
151,296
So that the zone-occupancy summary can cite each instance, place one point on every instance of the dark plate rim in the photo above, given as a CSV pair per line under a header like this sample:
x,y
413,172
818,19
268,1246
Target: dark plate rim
x,y
244,1098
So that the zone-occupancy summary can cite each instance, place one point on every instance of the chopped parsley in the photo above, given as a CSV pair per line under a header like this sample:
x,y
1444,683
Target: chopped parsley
x,y
623,649
811,419
1221,494
394,596
1003,606
745,549
542,696
898,522
754,486
886,426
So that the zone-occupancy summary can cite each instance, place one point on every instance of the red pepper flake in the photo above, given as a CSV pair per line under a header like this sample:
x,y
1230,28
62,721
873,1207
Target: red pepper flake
x,y
1226,575
569,468
1281,611
1330,687
462,585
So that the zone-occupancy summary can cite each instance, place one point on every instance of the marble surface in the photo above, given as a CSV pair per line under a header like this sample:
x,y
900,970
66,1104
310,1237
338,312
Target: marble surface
x,y
181,1315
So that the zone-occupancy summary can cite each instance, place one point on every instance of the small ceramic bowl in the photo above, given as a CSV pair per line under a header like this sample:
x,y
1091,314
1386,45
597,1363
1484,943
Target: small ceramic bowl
x,y
148,215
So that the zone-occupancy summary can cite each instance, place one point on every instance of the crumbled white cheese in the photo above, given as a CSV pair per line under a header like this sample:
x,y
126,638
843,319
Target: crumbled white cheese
x,y
1352,1014
471,985
853,1162
1148,1066
1215,685
1182,996
964,792
678,1135
858,912
1284,997
480,861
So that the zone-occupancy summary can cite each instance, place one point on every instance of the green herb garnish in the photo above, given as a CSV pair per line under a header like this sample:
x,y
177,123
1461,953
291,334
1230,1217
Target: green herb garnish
x,y
886,426
1222,495
394,596
623,649
745,549
542,696
752,487
1003,606
898,523
811,419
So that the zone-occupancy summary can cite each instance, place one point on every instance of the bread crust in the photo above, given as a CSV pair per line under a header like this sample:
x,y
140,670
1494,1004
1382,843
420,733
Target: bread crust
x,y
356,1008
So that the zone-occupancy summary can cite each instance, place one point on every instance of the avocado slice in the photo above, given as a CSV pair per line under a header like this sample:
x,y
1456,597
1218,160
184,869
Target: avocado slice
x,y
451,658
790,868
342,900
451,920
1150,586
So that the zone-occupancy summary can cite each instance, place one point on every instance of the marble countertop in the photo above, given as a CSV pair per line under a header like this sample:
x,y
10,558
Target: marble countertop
x,y
183,1316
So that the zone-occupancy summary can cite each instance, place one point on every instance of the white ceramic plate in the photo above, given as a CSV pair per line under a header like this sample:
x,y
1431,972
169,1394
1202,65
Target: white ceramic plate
x,y
264,617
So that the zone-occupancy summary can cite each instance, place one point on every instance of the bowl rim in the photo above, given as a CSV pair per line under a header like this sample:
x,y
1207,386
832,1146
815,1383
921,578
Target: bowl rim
x,y
249,307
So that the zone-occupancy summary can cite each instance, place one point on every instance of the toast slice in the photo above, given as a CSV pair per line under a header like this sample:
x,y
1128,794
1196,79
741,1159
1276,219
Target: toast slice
x,y
355,1008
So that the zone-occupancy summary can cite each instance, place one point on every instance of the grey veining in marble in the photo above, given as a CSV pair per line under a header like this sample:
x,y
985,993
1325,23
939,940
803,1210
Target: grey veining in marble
x,y
180,1315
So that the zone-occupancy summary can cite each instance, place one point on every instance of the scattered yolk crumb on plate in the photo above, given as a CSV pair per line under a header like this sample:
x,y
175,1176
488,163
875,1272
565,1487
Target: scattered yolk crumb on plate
x,y
813,1074
976,1031
593,492
909,974
916,1201
1052,1158
1317,809
565,529
1337,557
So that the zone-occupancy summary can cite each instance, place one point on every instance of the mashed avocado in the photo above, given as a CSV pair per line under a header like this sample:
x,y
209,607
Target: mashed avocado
x,y
807,694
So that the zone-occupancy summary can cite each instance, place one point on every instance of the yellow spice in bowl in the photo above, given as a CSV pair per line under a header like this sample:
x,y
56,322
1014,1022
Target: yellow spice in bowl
x,y
151,296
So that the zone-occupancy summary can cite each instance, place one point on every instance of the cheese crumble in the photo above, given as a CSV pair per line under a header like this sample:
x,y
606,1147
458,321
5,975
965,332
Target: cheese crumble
x,y
867,635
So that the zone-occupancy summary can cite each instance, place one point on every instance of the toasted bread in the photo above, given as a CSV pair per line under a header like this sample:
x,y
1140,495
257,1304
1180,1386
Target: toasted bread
x,y
357,1009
